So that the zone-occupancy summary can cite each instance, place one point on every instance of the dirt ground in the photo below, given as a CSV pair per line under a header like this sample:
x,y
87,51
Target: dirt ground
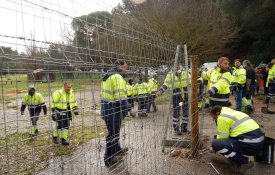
x,y
143,137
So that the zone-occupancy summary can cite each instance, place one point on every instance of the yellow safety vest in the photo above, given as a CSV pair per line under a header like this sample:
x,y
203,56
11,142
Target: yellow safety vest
x,y
172,81
142,89
130,89
231,123
114,88
239,76
153,84
271,75
61,99
183,79
33,101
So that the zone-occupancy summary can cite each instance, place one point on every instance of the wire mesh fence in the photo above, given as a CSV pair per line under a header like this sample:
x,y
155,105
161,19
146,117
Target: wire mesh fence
x,y
90,44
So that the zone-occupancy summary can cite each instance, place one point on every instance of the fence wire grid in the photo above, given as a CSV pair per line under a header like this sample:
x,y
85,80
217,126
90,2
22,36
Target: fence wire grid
x,y
90,44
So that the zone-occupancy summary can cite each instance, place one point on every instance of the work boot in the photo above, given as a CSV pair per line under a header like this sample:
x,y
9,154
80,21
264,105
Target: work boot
x,y
244,167
64,142
113,161
207,105
132,114
184,127
123,151
31,136
55,140
36,132
178,133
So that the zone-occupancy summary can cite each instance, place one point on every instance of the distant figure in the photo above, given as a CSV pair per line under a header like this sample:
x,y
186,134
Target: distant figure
x,y
142,93
63,104
130,95
250,87
35,103
238,135
271,81
238,83
153,85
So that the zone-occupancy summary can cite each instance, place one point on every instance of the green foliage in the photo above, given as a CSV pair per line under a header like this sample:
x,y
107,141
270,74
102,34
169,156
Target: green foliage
x,y
255,27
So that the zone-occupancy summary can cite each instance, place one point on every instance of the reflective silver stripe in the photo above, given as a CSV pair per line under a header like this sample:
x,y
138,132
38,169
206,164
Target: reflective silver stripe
x,y
225,80
219,99
223,133
212,90
242,75
213,82
113,101
230,155
224,150
64,102
256,140
107,91
237,123
120,90
229,116
108,100
177,93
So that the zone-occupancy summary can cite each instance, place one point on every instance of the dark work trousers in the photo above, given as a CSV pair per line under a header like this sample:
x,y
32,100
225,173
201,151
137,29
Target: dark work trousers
x,y
176,110
248,94
238,97
131,101
235,150
34,115
63,119
219,103
113,123
152,98
271,92
142,104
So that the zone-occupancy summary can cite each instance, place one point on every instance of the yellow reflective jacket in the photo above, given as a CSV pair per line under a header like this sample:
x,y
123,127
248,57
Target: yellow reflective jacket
x,y
206,76
153,84
142,89
172,81
231,123
271,76
220,82
239,75
114,88
33,101
183,79
61,98
130,90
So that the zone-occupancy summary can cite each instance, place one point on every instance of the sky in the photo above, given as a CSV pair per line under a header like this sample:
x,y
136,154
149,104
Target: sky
x,y
44,20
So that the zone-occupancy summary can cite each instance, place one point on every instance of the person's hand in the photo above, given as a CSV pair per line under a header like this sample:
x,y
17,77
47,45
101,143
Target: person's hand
x,y
45,113
75,110
206,95
54,116
22,112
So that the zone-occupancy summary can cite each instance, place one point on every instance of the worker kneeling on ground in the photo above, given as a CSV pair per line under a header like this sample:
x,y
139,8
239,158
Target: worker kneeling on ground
x,y
237,135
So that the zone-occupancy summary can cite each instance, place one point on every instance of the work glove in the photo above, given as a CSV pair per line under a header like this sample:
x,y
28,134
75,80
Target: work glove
x,y
206,94
75,110
55,114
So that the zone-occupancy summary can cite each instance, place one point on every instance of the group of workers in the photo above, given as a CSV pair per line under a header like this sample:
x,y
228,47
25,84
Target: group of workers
x,y
237,133
63,105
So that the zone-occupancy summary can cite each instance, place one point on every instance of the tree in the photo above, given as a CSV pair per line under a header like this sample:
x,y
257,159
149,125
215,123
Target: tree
x,y
255,28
